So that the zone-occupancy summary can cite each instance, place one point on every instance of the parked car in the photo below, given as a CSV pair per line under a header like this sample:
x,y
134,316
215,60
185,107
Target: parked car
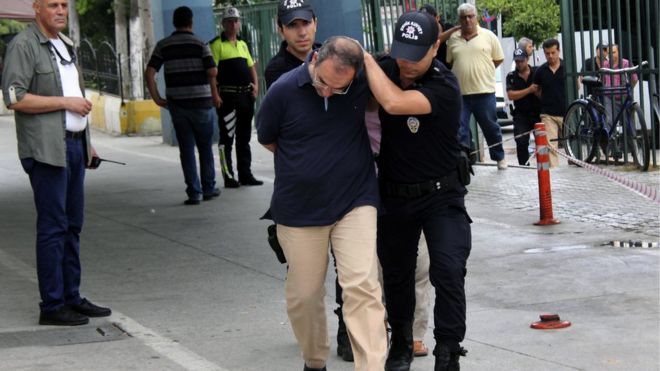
x,y
503,107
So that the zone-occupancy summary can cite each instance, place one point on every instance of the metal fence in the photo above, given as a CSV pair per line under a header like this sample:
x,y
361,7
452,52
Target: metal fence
x,y
100,67
633,25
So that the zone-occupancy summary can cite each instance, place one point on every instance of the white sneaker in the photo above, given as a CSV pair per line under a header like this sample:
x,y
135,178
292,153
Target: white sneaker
x,y
502,165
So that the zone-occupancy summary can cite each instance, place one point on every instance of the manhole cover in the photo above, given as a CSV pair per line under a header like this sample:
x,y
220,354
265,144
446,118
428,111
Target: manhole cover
x,y
62,336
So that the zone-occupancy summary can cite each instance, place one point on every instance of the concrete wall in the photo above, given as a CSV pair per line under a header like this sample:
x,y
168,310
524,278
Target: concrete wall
x,y
140,117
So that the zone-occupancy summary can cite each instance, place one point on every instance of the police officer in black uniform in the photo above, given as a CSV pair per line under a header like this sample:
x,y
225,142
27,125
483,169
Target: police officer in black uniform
x,y
422,174
527,106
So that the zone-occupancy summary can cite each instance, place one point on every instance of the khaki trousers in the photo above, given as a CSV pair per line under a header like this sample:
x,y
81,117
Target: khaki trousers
x,y
553,124
306,249
422,288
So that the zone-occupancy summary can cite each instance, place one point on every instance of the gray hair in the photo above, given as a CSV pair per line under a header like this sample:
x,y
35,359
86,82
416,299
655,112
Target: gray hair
x,y
524,41
344,50
466,8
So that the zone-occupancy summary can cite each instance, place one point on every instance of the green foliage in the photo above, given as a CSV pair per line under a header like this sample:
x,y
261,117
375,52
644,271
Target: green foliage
x,y
536,19
97,20
8,26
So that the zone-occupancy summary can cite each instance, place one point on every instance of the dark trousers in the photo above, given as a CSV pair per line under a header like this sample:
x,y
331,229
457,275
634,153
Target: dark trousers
x,y
235,120
59,200
522,124
194,127
449,240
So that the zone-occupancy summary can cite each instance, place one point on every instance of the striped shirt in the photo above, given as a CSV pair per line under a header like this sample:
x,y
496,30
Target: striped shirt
x,y
186,59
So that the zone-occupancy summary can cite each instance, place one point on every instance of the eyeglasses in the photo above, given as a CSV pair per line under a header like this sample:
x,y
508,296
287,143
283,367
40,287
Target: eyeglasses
x,y
467,16
63,61
323,86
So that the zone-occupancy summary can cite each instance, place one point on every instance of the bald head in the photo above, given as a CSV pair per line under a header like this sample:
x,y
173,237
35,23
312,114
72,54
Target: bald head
x,y
51,16
346,53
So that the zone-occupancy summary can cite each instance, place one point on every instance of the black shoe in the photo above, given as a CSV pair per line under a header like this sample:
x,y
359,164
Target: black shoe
x,y
64,316
90,309
344,349
231,183
209,196
251,181
400,355
191,201
446,359
314,369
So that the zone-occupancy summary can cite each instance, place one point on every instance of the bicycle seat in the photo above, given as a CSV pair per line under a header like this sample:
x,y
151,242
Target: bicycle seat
x,y
592,81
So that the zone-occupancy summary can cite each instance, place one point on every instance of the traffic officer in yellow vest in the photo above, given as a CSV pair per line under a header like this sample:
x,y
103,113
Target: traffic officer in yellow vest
x,y
238,87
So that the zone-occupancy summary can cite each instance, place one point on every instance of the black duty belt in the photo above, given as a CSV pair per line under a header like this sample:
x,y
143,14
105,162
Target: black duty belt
x,y
443,184
235,89
75,134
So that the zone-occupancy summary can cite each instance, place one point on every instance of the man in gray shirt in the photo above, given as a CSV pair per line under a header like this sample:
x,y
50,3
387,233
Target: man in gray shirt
x,y
43,85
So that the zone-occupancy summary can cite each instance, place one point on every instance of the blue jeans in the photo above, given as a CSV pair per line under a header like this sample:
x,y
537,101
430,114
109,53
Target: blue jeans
x,y
59,200
483,107
194,126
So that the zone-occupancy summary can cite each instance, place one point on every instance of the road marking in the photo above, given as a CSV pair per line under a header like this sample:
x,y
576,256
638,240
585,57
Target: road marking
x,y
168,348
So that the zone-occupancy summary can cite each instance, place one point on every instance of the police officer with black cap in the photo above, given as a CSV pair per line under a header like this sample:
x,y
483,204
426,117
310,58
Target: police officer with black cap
x,y
422,175
527,106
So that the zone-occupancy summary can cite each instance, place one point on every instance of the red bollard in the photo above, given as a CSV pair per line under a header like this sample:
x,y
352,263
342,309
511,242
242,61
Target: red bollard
x,y
543,167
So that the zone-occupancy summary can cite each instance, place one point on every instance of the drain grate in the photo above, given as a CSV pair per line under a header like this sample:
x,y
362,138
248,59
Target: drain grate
x,y
62,336
626,244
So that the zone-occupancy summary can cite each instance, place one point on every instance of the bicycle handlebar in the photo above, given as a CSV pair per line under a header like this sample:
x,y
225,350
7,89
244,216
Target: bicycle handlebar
x,y
610,71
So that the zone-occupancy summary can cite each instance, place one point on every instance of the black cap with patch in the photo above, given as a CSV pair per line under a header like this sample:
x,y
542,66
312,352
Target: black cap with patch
x,y
414,34
290,10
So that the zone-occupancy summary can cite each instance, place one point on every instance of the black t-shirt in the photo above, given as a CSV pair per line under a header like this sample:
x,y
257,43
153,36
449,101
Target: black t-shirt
x,y
589,68
553,85
282,63
529,105
420,148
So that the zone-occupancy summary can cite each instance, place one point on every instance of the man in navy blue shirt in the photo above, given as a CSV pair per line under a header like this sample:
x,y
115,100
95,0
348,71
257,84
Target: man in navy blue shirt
x,y
325,192
422,182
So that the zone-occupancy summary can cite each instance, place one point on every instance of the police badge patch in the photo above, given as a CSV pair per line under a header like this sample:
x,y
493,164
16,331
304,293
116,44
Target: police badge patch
x,y
413,124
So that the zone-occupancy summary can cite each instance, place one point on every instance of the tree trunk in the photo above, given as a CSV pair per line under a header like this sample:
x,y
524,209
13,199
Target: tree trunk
x,y
121,40
74,24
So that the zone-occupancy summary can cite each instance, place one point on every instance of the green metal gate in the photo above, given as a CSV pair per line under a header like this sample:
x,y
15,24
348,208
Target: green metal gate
x,y
259,30
633,25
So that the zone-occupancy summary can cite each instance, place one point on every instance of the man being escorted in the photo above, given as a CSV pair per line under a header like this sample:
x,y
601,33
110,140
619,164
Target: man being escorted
x,y
325,191
296,24
475,52
239,87
520,90
550,80
43,85
422,173
191,95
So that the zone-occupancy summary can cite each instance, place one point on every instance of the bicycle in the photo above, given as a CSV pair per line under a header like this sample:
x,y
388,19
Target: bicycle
x,y
587,127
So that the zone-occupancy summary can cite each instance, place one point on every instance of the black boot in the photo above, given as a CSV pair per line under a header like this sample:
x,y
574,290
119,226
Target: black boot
x,y
344,349
400,355
446,359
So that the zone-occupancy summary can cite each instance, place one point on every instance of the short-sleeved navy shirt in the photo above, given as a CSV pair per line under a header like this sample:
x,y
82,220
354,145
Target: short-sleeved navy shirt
x,y
323,163
553,89
420,148
529,105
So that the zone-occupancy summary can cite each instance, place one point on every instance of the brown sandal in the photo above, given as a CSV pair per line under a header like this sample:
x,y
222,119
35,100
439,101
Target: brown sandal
x,y
419,349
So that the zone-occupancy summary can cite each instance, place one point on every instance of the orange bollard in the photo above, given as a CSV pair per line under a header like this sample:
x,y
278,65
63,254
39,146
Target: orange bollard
x,y
543,167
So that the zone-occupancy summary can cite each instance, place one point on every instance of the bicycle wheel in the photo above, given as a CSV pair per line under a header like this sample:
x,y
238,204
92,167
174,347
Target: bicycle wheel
x,y
578,133
637,137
